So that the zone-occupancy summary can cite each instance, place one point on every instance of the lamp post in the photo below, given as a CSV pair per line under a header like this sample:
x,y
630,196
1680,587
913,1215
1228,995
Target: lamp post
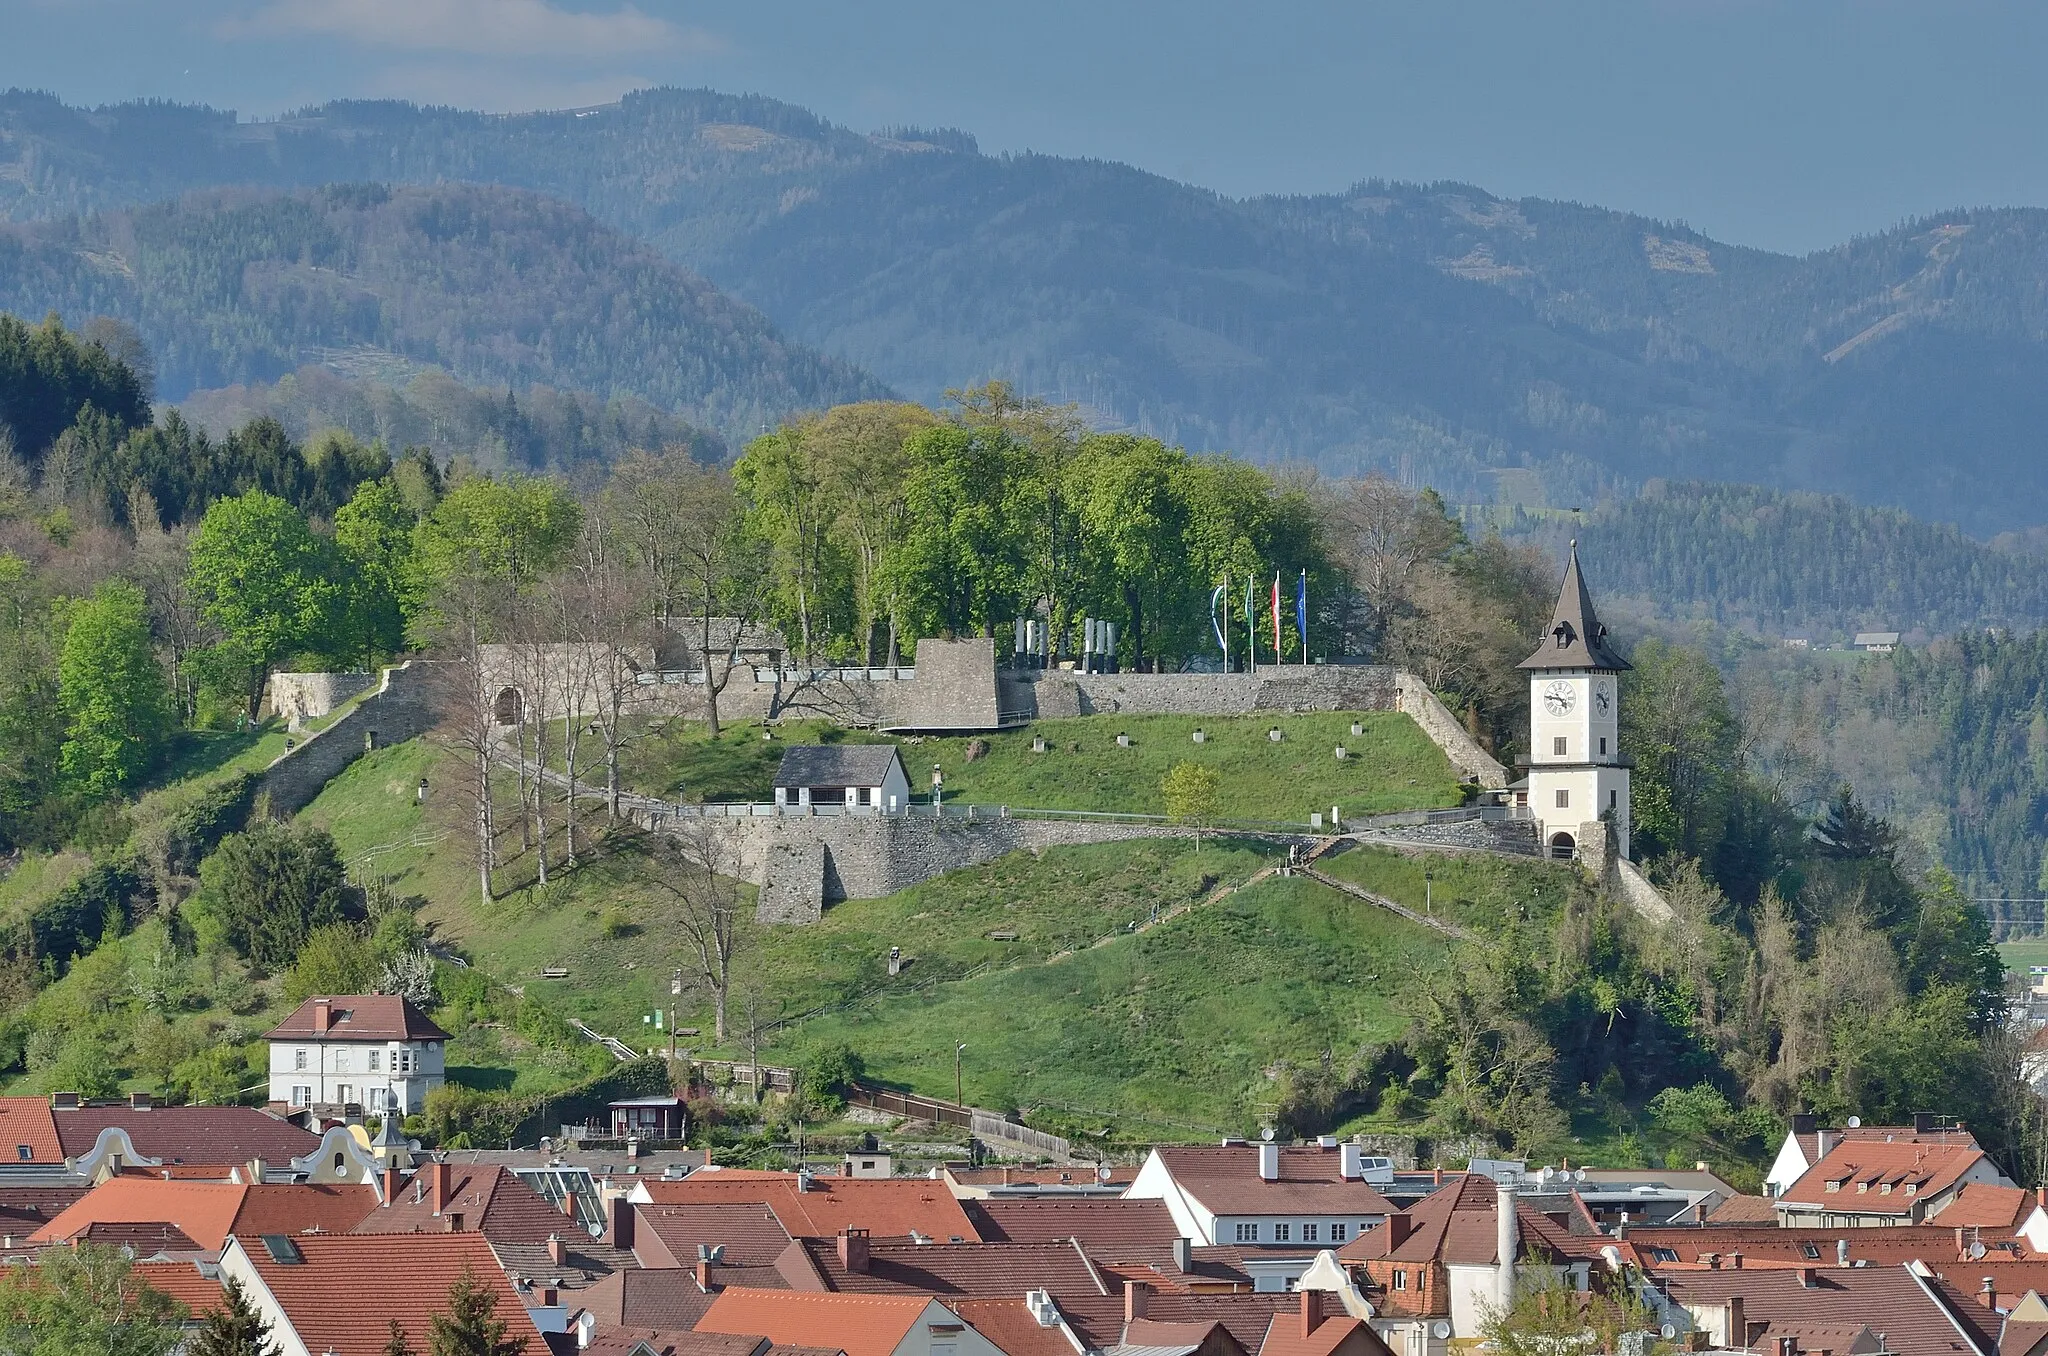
x,y
675,991
1429,892
958,1099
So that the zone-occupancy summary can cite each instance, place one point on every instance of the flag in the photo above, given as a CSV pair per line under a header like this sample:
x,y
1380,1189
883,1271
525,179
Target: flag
x,y
1276,617
1215,622
1301,612
1251,622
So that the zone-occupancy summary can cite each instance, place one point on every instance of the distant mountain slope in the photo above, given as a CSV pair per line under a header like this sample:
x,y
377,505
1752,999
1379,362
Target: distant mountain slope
x,y
1798,563
502,287
1430,329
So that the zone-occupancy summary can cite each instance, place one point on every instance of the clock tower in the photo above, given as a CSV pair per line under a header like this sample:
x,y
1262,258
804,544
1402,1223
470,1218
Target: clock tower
x,y
1577,776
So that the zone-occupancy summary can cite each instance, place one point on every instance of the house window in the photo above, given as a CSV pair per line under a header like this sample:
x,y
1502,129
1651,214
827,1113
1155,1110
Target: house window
x,y
301,1095
373,1060
24,1152
1400,1279
1663,1254
1614,800
1282,1232
340,1162
344,1093
1831,1186
1308,1233
1811,1250
1557,746
1336,1233
1564,798
341,1061
1247,1233
299,1059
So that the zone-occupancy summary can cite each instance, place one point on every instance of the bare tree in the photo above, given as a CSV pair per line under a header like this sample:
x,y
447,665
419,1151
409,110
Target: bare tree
x,y
612,624
1382,532
727,574
469,728
697,865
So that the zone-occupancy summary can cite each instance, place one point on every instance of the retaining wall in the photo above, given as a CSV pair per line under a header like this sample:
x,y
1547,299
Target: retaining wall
x,y
1474,764
1313,687
308,696
402,708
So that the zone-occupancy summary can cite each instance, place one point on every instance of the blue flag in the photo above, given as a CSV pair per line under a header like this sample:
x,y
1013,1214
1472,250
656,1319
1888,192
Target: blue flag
x,y
1301,612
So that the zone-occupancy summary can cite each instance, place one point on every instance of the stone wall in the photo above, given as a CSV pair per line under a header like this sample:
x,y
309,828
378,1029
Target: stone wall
x,y
1474,764
402,708
1315,687
300,697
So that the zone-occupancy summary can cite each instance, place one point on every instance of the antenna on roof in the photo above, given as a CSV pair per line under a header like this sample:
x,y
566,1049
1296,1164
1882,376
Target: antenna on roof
x,y
1267,1134
1855,1122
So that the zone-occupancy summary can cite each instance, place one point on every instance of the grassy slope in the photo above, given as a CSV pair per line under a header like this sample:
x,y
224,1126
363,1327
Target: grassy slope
x,y
1476,890
1392,764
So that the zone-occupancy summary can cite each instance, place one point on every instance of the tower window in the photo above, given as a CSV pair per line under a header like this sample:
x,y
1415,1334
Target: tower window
x,y
1564,799
1557,746
1603,746
1614,800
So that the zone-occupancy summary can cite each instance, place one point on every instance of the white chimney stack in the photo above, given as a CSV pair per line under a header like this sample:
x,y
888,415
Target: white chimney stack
x,y
1351,1161
1269,1161
1507,1244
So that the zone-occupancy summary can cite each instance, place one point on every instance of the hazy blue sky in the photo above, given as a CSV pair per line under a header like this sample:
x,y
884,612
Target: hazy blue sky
x,y
1785,123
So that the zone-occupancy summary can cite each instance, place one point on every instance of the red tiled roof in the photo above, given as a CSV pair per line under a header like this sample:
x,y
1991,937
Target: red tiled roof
x,y
27,1121
886,1208
859,1325
748,1231
359,1017
1458,1223
1876,1177
1245,1317
1011,1326
1767,1246
990,1269
1745,1210
1106,1226
1917,1318
1152,1334
204,1212
279,1208
347,1288
188,1134
1334,1332
1001,1177
24,1209
1225,1178
492,1200
666,1300
1986,1205
149,1238
183,1282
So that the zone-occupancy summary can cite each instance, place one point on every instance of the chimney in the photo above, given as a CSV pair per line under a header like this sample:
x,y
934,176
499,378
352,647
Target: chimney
x,y
1841,1252
1269,1160
391,1184
1135,1295
140,1101
1788,1346
1507,1241
323,1016
1923,1122
619,1223
1990,1295
1808,1278
64,1101
1738,1324
1436,1177
1183,1256
550,1297
1351,1162
1805,1123
439,1189
1399,1229
704,1274
1311,1313
558,1251
853,1249
1735,1260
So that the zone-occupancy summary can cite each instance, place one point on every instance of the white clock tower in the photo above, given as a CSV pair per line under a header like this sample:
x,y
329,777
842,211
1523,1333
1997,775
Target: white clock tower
x,y
1577,776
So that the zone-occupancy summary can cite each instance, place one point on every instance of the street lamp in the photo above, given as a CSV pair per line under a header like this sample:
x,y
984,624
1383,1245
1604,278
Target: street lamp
x,y
1429,891
958,1100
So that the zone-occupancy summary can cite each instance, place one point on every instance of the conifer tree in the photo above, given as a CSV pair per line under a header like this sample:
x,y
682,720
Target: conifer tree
x,y
235,1329
396,1344
471,1327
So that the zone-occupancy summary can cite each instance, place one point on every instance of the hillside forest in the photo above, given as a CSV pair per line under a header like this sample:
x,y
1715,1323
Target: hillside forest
x,y
153,575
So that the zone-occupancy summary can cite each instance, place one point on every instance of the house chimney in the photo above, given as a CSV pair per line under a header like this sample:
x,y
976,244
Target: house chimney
x,y
1809,1277
853,1249
1804,1123
323,1015
550,1297
1990,1295
64,1101
1788,1346
1351,1161
1923,1122
1507,1239
391,1184
1399,1229
1269,1160
1135,1295
1738,1324
140,1101
1183,1256
618,1230
440,1190
558,1251
1311,1313
1735,1260
1841,1252
704,1274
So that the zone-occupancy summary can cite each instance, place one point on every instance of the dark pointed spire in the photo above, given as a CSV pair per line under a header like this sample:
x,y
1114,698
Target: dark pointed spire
x,y
1575,638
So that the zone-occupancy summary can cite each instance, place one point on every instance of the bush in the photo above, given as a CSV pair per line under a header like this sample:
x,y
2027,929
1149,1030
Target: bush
x,y
826,1074
264,893
336,959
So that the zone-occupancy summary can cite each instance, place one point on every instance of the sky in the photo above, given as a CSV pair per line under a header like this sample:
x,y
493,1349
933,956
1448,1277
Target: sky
x,y
1785,124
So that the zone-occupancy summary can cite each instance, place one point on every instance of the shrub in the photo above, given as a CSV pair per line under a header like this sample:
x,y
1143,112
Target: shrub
x,y
263,893
337,958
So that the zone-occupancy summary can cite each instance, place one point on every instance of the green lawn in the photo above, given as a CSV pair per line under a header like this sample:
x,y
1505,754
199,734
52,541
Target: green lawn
x,y
2023,953
1392,765
1476,890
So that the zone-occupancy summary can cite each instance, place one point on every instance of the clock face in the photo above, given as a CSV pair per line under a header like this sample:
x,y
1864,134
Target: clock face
x,y
1559,698
1602,699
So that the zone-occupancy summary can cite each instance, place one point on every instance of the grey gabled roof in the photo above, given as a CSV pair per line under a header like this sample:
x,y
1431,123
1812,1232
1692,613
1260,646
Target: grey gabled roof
x,y
836,765
1575,639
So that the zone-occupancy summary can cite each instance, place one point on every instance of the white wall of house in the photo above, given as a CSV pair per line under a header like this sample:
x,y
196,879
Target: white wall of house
x,y
381,1075
236,1266
893,790
941,1332
1315,1231
1155,1183
1788,1167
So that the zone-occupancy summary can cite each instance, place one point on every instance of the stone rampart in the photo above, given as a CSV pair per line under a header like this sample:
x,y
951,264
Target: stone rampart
x,y
300,697
402,708
1311,687
1473,763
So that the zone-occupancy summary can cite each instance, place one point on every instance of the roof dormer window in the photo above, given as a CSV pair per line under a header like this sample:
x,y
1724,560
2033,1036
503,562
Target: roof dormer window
x,y
1564,635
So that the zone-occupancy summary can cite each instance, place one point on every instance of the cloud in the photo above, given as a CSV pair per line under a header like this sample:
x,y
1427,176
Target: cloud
x,y
495,28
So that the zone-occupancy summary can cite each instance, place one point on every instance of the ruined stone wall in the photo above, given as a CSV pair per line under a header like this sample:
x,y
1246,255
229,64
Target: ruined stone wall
x,y
1315,687
1474,764
402,708
308,696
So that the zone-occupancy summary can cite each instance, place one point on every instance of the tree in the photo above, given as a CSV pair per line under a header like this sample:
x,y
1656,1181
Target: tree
x,y
112,691
335,958
696,865
1190,791
860,450
471,1327
374,533
266,891
85,1301
1675,721
233,1329
264,579
726,573
1549,1318
397,1344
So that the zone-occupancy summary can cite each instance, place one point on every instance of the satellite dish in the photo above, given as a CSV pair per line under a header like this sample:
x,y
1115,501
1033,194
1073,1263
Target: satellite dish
x,y
1976,1252
1668,1331
1855,1122
1581,1174
1441,1329
1267,1134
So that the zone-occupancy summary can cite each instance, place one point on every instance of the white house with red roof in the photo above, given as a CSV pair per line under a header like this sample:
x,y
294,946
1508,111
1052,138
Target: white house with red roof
x,y
1301,1197
1861,1183
1808,1142
375,1051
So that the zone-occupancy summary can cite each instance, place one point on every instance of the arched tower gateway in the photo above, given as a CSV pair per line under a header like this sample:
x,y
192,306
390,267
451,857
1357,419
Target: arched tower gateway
x,y
1577,776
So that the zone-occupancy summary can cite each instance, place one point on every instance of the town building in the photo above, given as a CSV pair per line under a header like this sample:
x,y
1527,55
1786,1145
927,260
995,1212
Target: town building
x,y
1299,1198
1578,780
374,1051
1808,1141
842,778
1874,1183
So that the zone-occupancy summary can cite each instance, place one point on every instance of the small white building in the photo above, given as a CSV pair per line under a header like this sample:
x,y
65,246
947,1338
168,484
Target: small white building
x,y
842,779
376,1051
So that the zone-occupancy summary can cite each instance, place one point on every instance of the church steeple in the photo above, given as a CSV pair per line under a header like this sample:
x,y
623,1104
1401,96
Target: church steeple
x,y
1575,638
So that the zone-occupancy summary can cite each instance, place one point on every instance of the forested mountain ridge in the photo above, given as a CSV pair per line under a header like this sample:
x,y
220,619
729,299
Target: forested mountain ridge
x,y
499,286
1434,329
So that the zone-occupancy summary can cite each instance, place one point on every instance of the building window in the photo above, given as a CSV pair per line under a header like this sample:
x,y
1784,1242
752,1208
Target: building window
x,y
1614,800
1603,746
1336,1233
1282,1232
1658,1254
373,1061
1400,1279
1308,1233
1564,798
1810,1250
298,1059
24,1152
1247,1233
1557,746
341,1061
301,1095
343,1093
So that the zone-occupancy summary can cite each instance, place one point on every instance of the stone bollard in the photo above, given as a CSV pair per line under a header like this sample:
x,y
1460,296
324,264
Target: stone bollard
x,y
1201,736
1342,753
1038,743
1123,741
1315,819
1274,734
1336,818
1357,728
